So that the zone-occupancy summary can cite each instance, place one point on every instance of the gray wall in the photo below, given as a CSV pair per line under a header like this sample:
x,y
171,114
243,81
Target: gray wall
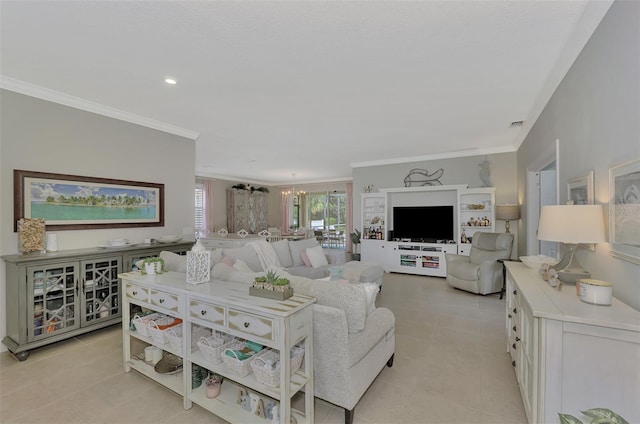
x,y
595,114
464,170
38,135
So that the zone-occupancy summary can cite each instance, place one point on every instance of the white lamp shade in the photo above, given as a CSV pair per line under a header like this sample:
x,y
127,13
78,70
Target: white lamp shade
x,y
508,212
572,224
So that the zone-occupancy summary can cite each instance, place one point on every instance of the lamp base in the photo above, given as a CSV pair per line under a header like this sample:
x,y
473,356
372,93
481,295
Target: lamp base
x,y
571,276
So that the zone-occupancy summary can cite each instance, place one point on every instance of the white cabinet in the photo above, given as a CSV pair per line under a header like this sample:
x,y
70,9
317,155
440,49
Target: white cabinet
x,y
373,216
228,308
418,258
476,213
570,356
374,251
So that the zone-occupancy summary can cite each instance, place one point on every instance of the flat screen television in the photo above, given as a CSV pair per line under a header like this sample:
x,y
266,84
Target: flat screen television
x,y
428,224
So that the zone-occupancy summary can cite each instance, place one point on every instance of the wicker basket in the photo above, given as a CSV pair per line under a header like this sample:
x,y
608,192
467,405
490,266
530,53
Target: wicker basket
x,y
237,366
175,336
270,376
141,323
158,328
213,346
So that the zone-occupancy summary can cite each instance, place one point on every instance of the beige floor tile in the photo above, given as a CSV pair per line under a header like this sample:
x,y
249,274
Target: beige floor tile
x,y
451,366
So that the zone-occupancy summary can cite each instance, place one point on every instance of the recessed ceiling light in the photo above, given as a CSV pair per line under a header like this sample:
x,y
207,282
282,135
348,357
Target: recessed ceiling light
x,y
170,80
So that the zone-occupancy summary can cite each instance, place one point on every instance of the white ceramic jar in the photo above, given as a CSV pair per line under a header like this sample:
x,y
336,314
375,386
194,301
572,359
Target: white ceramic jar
x,y
595,291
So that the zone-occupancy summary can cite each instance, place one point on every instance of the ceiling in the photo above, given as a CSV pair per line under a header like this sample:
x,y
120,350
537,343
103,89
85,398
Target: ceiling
x,y
271,89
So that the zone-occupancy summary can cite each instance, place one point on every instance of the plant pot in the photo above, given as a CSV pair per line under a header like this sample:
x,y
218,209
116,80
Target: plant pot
x,y
355,256
152,268
214,390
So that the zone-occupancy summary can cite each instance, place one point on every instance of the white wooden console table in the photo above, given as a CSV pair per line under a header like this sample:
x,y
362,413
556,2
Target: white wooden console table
x,y
226,307
570,356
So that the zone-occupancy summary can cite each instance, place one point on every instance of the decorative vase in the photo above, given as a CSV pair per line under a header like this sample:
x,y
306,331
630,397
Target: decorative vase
x,y
151,268
213,390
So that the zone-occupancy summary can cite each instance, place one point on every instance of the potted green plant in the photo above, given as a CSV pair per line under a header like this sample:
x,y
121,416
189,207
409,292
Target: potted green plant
x,y
281,284
152,266
597,415
355,237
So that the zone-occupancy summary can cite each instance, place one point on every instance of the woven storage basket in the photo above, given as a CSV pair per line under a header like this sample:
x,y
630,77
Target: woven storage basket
x,y
158,329
271,376
239,367
175,336
142,322
213,346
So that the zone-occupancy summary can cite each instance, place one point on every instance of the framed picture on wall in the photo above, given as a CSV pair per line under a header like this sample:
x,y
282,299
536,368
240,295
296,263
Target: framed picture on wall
x,y
624,211
71,202
580,192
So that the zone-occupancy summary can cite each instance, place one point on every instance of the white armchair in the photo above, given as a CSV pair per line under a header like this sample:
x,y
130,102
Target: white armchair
x,y
480,272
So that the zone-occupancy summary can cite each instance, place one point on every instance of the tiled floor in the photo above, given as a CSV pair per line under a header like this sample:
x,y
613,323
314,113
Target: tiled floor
x,y
450,367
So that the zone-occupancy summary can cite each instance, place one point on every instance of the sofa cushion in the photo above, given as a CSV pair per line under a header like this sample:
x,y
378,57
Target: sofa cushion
x,y
296,247
316,256
173,261
305,259
350,298
224,272
284,254
247,254
309,272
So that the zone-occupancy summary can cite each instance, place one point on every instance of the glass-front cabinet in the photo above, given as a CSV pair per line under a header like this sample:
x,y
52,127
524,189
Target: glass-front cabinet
x,y
53,299
101,289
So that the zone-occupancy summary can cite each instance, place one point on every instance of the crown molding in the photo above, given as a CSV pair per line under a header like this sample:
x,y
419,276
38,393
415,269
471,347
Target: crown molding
x,y
47,94
204,174
435,156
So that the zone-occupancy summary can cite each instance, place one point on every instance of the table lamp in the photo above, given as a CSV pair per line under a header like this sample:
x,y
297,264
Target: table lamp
x,y
507,213
571,225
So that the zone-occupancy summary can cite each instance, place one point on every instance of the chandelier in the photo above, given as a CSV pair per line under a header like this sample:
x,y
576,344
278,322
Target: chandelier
x,y
293,191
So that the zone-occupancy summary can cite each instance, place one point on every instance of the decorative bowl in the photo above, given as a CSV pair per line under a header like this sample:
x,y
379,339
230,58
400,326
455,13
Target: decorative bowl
x,y
535,262
168,239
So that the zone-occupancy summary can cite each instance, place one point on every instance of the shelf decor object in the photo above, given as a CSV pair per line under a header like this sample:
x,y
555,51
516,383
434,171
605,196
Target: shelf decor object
x,y
71,202
624,211
198,264
507,213
571,225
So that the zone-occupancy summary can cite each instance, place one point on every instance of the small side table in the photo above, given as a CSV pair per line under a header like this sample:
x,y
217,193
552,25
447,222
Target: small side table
x,y
504,275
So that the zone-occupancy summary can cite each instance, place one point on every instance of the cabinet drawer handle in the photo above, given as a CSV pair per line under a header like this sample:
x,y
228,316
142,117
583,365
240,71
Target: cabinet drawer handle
x,y
515,292
246,325
135,293
161,300
514,328
513,363
203,312
510,316
515,311
517,339
514,346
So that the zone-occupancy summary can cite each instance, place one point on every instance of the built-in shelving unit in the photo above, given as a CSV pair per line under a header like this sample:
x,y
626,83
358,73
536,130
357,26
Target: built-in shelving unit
x,y
476,213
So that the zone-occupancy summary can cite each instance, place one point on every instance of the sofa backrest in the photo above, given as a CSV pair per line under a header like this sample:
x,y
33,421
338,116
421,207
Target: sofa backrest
x,y
288,252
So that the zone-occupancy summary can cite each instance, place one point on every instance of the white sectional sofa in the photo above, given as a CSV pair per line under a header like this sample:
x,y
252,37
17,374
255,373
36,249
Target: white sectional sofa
x,y
353,339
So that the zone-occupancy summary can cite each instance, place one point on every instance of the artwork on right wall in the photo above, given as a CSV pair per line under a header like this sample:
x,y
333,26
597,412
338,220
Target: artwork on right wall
x,y
624,211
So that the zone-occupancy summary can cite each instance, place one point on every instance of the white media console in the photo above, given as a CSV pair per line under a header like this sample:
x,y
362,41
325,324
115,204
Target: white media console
x,y
473,211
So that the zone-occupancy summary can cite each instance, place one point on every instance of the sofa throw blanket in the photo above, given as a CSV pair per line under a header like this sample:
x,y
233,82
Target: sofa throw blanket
x,y
266,254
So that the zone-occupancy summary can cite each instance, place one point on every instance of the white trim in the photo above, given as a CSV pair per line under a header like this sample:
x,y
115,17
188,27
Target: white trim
x,y
450,155
47,94
202,173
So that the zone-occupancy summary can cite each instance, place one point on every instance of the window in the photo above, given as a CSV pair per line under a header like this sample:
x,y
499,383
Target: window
x,y
199,221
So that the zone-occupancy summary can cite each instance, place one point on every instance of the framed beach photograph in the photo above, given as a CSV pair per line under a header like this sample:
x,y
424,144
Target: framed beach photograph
x,y
624,211
71,202
580,192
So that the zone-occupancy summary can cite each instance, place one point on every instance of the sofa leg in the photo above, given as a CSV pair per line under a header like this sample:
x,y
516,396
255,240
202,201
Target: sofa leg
x,y
390,361
348,416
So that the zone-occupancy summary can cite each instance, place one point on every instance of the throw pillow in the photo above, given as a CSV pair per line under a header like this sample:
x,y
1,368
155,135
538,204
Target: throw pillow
x,y
247,254
299,246
305,259
173,261
284,254
242,266
317,257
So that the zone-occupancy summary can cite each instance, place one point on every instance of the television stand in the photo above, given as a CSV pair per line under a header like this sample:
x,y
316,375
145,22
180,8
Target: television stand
x,y
418,258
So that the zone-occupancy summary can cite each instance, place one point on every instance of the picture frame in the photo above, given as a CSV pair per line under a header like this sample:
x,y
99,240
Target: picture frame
x,y
72,202
580,191
624,211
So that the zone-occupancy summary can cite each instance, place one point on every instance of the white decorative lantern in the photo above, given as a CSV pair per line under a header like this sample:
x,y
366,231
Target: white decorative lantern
x,y
198,264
